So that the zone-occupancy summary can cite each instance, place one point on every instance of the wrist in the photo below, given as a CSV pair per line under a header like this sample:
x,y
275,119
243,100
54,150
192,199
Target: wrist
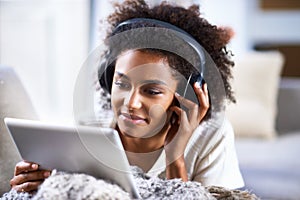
x,y
176,169
174,156
176,162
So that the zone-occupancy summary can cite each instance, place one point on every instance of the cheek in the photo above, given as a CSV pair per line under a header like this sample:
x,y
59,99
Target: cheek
x,y
159,112
116,100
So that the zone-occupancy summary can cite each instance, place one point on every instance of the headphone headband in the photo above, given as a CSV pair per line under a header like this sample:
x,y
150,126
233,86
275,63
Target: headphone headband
x,y
157,23
152,22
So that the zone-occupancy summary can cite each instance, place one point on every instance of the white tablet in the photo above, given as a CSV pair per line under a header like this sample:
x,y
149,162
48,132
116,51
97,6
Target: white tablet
x,y
79,149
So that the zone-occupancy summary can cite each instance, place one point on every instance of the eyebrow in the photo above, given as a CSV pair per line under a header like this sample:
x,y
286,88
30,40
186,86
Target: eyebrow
x,y
122,75
154,81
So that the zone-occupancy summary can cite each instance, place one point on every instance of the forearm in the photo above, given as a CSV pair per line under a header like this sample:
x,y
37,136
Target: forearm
x,y
177,169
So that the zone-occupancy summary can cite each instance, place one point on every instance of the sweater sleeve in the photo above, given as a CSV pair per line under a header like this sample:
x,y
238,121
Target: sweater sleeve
x,y
219,164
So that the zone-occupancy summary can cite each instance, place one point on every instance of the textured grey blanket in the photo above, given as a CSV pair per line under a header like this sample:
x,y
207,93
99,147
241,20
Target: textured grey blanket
x,y
80,186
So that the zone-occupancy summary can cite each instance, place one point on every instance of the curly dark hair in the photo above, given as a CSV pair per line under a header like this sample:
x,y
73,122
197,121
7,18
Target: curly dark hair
x,y
210,37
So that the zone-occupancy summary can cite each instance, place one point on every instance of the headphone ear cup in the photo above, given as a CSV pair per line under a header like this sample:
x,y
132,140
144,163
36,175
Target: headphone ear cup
x,y
196,78
109,75
105,74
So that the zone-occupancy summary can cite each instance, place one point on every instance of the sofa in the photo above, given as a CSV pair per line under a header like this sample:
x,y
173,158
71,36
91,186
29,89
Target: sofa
x,y
14,102
266,120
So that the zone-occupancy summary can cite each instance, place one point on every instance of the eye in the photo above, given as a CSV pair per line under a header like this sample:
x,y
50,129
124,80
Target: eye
x,y
152,91
122,85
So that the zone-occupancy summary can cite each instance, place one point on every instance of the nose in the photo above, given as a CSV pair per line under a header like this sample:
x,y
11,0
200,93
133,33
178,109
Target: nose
x,y
133,100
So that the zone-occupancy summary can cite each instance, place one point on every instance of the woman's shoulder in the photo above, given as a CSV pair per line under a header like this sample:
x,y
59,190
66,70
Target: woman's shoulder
x,y
226,128
216,127
209,133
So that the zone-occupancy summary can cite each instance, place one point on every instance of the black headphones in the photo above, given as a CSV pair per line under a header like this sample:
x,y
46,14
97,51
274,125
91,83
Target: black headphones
x,y
107,66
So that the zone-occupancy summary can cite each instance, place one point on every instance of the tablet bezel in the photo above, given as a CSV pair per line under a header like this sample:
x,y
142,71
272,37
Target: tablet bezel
x,y
83,149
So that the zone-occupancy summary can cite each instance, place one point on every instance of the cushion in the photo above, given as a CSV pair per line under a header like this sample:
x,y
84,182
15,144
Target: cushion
x,y
256,80
14,102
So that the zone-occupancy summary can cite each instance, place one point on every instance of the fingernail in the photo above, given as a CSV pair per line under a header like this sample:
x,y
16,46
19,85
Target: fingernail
x,y
197,85
34,166
205,86
176,94
46,174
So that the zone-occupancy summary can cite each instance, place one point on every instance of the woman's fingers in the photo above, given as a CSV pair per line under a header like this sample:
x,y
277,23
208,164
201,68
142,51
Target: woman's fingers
x,y
28,186
196,112
192,109
203,98
185,102
202,94
29,177
180,113
24,166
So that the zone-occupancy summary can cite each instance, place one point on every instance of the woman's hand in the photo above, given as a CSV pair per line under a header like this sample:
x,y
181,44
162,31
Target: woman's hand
x,y
28,177
181,130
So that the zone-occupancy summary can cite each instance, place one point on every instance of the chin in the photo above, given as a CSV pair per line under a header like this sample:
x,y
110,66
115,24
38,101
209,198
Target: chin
x,y
135,131
128,130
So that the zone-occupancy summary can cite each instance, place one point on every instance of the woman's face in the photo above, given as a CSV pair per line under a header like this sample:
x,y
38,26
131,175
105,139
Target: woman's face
x,y
142,91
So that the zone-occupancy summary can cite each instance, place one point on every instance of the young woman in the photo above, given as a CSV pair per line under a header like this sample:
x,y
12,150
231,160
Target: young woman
x,y
163,132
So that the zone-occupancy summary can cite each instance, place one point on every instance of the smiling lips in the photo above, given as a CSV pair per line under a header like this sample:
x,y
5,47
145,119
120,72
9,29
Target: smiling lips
x,y
133,118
